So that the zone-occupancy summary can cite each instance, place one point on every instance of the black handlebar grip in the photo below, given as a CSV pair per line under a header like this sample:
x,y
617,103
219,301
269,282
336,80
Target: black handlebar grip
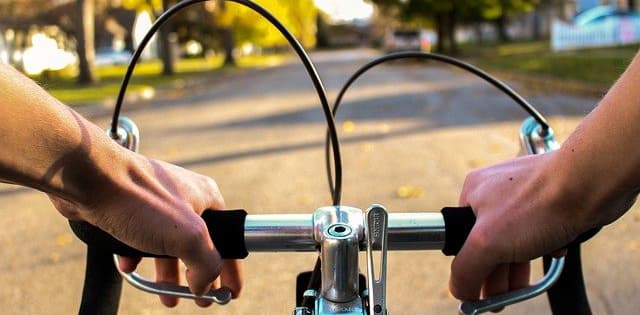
x,y
226,229
458,222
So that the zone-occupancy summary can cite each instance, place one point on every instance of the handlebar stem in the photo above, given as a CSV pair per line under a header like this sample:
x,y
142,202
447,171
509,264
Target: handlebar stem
x,y
339,231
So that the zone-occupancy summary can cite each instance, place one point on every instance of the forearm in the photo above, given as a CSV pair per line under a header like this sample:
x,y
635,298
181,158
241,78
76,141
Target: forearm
x,y
46,145
600,161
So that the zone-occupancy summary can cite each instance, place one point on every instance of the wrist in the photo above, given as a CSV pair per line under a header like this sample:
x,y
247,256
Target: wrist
x,y
91,169
590,189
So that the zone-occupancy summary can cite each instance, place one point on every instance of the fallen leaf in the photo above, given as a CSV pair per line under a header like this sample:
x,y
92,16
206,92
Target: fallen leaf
x,y
409,191
385,128
348,127
64,239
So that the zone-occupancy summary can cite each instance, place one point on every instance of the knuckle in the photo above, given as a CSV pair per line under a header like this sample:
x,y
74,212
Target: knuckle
x,y
211,183
195,237
481,240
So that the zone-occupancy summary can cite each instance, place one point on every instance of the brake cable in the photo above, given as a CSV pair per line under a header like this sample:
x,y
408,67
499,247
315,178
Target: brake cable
x,y
437,57
336,187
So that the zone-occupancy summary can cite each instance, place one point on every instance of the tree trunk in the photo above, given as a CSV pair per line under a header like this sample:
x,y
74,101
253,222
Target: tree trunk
x,y
451,29
440,25
477,29
164,42
501,26
227,42
85,37
536,25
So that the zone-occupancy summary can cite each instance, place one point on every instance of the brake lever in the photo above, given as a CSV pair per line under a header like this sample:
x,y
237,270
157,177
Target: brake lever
x,y
377,221
220,296
500,301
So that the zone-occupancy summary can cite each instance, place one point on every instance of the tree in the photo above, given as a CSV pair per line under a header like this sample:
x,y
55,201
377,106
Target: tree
x,y
446,15
157,7
499,11
240,25
85,17
442,14
227,25
164,40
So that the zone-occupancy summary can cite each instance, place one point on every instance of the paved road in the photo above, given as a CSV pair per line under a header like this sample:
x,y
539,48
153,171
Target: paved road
x,y
410,133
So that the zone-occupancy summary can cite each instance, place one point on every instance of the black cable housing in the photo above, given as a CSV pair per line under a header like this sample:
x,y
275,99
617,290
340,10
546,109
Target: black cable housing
x,y
336,187
428,56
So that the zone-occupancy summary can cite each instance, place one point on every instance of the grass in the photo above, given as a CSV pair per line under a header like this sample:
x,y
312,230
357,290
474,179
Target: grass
x,y
146,77
595,66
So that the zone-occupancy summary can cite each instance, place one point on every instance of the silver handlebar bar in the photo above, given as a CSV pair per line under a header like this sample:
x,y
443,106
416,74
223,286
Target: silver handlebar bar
x,y
295,232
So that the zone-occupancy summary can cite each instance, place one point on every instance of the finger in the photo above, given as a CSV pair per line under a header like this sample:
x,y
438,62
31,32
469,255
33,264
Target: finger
x,y
232,276
497,282
205,303
167,271
519,275
202,261
128,264
462,199
471,267
199,277
215,200
468,187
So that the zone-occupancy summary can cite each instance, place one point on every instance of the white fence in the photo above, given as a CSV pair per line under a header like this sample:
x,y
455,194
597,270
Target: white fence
x,y
609,32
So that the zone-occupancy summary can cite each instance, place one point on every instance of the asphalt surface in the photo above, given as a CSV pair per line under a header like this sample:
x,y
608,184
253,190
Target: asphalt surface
x,y
410,132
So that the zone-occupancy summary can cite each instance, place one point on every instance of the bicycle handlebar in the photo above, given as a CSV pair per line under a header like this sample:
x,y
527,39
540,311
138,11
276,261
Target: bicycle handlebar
x,y
235,233
328,230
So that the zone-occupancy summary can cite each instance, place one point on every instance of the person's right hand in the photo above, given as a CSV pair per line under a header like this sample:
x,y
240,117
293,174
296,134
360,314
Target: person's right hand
x,y
526,208
154,207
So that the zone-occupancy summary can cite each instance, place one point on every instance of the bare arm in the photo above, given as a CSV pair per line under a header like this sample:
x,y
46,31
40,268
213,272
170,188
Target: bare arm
x,y
49,147
532,206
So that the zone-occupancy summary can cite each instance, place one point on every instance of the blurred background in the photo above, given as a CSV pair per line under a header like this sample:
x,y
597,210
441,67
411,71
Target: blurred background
x,y
87,42
220,92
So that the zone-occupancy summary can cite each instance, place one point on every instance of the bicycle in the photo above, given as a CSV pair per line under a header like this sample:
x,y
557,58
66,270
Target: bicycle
x,y
338,232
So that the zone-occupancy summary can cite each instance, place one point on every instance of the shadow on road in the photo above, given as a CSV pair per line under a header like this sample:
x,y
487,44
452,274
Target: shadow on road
x,y
443,106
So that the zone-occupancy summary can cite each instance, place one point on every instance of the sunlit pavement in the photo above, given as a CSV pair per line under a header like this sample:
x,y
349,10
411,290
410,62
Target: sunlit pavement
x,y
410,132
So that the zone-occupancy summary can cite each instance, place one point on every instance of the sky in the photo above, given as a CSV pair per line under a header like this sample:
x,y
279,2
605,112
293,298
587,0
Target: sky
x,y
345,10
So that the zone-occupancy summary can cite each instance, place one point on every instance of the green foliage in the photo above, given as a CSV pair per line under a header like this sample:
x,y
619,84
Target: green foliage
x,y
298,16
410,10
153,5
248,27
